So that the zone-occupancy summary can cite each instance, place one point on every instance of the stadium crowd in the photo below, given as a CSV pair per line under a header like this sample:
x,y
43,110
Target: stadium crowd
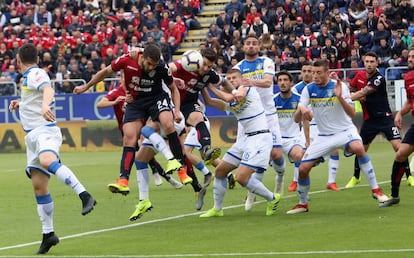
x,y
76,39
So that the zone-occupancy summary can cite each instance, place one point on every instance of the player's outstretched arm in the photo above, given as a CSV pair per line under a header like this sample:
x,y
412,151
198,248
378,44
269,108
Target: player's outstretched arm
x,y
98,77
213,102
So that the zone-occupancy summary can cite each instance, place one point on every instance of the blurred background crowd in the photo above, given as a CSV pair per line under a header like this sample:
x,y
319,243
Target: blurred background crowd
x,y
76,38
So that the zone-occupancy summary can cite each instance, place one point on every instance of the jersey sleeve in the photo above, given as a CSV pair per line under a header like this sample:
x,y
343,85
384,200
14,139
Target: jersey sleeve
x,y
38,78
304,98
268,66
166,74
119,63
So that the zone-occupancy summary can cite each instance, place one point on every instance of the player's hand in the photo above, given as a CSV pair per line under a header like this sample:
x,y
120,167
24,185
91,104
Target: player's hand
x,y
80,89
48,115
119,99
306,114
129,98
334,76
179,83
177,116
14,105
398,120
338,89
246,82
135,52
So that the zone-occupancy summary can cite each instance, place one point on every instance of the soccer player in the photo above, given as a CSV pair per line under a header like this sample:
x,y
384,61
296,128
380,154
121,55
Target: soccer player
x,y
407,145
332,108
293,139
116,99
259,72
43,141
145,154
371,91
311,131
146,97
251,151
191,85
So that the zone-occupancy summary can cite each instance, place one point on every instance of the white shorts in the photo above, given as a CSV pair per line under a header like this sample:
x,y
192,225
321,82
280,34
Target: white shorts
x,y
313,132
323,145
252,151
273,124
191,139
289,143
41,139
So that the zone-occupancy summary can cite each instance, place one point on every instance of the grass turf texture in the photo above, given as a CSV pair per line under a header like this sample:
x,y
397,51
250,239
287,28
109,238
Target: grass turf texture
x,y
340,224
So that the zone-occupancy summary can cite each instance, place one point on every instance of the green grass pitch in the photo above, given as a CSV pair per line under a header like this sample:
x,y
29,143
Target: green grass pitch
x,y
340,224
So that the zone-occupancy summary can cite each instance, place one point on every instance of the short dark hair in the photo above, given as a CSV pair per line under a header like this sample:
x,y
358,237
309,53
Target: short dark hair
x,y
28,54
210,54
321,63
152,51
284,72
372,54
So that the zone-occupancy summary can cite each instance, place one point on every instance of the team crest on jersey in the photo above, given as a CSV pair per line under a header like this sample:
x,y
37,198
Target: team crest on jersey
x,y
330,92
152,73
294,104
377,82
259,66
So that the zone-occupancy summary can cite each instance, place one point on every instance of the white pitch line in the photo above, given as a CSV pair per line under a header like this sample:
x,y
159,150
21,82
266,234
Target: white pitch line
x,y
179,217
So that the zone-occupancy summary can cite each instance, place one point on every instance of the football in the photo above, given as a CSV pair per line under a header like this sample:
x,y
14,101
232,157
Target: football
x,y
192,60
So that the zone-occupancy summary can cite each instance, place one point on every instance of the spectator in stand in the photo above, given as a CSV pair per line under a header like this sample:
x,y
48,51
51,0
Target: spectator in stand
x,y
96,60
121,19
299,27
236,21
371,22
188,13
384,54
79,48
298,49
236,6
173,36
344,51
120,47
380,33
75,73
364,39
287,28
250,18
259,27
150,21
307,37
94,45
137,20
222,19
389,10
323,35
11,73
335,65
180,25
42,16
357,15
89,71
406,38
244,30
109,57
165,20
339,25
226,36
157,34
405,10
308,16
320,16
165,50
396,49
329,49
314,51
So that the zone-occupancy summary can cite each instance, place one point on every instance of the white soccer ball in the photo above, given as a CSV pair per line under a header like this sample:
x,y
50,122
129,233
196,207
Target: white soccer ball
x,y
192,60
